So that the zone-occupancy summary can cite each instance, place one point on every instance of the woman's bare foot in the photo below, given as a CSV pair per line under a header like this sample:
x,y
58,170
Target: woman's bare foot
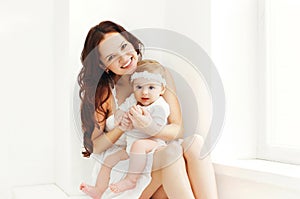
x,y
91,191
123,185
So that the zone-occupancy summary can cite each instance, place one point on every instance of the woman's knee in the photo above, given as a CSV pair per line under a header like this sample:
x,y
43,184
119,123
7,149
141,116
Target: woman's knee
x,y
192,146
167,156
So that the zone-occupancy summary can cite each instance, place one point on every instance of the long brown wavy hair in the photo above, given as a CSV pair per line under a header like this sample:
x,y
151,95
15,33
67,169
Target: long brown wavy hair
x,y
94,82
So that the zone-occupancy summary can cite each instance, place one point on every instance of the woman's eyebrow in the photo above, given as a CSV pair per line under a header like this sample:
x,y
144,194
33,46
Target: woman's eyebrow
x,y
122,43
113,53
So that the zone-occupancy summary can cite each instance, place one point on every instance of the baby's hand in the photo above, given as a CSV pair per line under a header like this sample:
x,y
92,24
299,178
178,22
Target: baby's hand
x,y
118,117
137,109
125,124
140,117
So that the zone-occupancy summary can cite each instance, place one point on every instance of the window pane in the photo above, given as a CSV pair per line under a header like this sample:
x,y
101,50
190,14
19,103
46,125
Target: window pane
x,y
284,77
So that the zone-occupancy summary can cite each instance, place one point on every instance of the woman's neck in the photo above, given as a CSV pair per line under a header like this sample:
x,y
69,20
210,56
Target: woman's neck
x,y
123,88
122,80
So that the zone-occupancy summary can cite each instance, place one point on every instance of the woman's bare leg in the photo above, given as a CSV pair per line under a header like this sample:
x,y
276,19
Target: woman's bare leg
x,y
153,186
176,182
160,194
200,171
173,172
169,169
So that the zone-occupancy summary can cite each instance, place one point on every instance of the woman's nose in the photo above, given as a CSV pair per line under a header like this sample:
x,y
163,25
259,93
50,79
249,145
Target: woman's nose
x,y
122,58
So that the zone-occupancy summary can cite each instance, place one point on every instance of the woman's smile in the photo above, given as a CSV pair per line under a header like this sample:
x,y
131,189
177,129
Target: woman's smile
x,y
127,64
117,54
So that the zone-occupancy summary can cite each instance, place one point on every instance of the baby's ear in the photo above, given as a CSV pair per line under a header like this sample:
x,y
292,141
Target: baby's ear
x,y
163,89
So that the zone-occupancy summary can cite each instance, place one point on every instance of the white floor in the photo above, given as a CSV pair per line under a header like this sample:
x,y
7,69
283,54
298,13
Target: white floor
x,y
49,191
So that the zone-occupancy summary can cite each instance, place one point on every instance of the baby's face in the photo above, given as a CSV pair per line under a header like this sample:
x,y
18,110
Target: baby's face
x,y
147,91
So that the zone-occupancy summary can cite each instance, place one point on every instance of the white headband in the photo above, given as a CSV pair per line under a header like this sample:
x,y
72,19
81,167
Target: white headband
x,y
150,76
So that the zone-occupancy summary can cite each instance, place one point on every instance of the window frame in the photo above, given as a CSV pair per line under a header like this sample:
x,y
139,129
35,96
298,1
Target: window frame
x,y
265,150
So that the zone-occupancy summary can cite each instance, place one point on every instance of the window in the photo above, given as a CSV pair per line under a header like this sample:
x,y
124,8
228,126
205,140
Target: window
x,y
279,32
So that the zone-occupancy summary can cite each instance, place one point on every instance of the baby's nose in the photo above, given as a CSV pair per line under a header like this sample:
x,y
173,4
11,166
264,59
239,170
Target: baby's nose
x,y
145,90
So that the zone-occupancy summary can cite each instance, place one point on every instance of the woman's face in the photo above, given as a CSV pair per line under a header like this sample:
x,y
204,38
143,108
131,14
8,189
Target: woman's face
x,y
118,54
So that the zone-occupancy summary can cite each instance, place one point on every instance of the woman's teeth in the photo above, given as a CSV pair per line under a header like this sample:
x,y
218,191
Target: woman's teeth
x,y
124,66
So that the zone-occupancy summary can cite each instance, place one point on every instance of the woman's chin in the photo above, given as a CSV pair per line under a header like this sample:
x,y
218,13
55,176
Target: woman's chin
x,y
130,70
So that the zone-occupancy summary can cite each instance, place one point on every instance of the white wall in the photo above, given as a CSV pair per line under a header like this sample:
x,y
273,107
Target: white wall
x,y
190,18
26,84
234,39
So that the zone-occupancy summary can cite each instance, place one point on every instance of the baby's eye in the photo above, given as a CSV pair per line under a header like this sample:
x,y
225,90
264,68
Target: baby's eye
x,y
151,87
124,46
138,87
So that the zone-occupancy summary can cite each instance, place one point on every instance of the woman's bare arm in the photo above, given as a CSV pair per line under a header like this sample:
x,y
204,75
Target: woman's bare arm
x,y
174,129
103,140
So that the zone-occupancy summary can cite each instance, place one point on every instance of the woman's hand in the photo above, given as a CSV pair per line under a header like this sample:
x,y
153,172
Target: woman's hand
x,y
140,117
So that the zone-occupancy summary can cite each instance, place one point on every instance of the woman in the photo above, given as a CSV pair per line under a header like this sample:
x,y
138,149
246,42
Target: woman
x,y
109,53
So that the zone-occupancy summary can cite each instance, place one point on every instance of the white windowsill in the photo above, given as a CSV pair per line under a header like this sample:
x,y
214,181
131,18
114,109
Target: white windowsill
x,y
261,171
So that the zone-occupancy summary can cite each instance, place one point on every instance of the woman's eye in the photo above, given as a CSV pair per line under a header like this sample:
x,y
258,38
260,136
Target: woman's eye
x,y
124,46
109,58
138,87
151,87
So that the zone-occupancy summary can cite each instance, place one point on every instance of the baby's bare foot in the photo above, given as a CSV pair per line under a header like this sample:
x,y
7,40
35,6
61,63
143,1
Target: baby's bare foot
x,y
123,185
91,191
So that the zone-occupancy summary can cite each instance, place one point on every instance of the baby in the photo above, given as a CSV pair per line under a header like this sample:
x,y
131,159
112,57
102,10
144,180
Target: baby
x,y
149,85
